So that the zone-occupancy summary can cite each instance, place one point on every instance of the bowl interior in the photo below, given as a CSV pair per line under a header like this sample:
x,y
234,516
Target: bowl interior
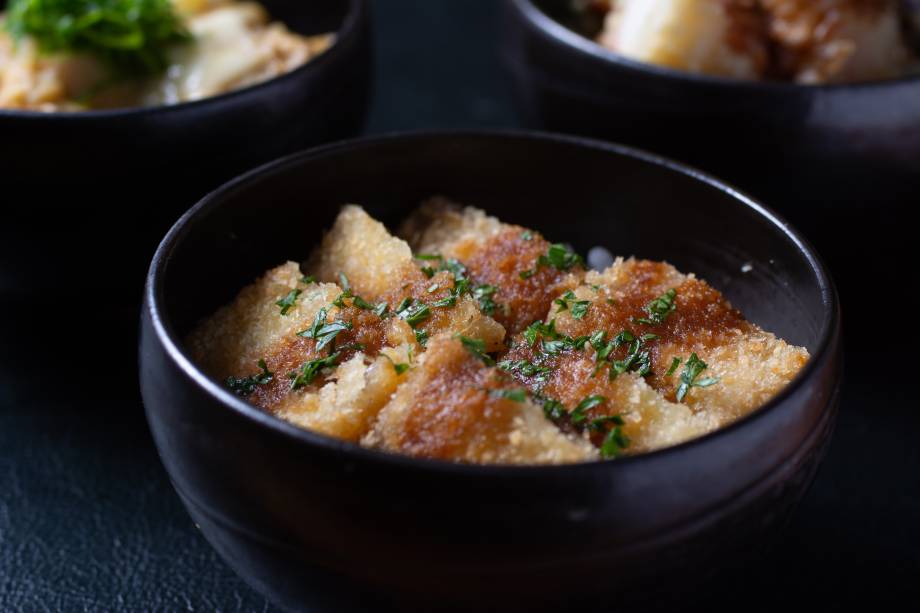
x,y
581,192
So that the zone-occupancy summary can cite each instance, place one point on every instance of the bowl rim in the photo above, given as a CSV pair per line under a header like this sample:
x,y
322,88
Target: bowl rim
x,y
173,346
357,13
571,39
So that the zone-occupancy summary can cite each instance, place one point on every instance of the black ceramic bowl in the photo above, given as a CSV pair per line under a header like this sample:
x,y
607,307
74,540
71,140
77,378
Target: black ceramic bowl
x,y
841,161
312,521
86,196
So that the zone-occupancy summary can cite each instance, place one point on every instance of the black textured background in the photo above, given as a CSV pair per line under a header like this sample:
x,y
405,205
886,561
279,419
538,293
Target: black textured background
x,y
88,520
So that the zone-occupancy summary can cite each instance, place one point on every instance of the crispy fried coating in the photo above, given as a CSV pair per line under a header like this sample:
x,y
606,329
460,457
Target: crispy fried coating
x,y
449,408
496,255
749,364
399,376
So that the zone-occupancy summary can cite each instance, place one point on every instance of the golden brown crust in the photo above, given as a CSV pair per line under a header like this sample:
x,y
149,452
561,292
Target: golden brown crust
x,y
448,409
494,254
750,364
443,401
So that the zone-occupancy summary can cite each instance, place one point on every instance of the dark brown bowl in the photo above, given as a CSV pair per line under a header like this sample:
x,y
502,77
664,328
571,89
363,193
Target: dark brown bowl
x,y
316,522
86,196
842,162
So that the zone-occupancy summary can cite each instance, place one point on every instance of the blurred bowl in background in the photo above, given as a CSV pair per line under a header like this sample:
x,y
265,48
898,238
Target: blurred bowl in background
x,y
319,523
87,195
842,162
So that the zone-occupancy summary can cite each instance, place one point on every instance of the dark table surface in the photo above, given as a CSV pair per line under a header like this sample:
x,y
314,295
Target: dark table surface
x,y
89,521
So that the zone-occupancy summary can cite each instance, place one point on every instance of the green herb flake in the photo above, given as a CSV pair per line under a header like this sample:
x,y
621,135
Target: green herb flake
x,y
421,337
568,301
560,257
688,378
476,347
433,288
428,256
381,310
484,294
288,302
615,443
517,395
247,385
310,370
526,235
416,315
524,368
674,364
579,414
308,279
324,333
554,410
659,308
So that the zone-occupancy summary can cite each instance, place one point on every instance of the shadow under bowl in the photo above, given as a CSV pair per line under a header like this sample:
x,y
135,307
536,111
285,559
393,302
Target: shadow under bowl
x,y
316,522
94,191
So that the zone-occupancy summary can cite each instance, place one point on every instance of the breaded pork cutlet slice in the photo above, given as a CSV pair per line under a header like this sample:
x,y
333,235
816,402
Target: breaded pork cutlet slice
x,y
664,351
257,342
380,268
322,356
515,271
454,406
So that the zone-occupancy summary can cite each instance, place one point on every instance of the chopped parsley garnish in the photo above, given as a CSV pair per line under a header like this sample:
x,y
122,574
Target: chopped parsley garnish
x,y
523,368
517,395
692,369
324,333
310,370
416,314
636,359
579,414
400,367
560,257
526,235
343,283
421,337
476,347
308,279
659,308
132,36
381,309
599,424
428,271
614,443
247,385
568,301
674,364
428,256
361,303
403,305
484,294
553,341
288,302
433,288
554,409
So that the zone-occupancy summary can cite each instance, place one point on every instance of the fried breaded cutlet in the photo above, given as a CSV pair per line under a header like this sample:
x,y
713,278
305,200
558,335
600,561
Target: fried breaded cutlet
x,y
482,342
807,41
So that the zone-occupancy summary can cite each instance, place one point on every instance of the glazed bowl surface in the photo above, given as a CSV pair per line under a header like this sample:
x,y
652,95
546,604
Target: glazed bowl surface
x,y
99,188
840,161
317,523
